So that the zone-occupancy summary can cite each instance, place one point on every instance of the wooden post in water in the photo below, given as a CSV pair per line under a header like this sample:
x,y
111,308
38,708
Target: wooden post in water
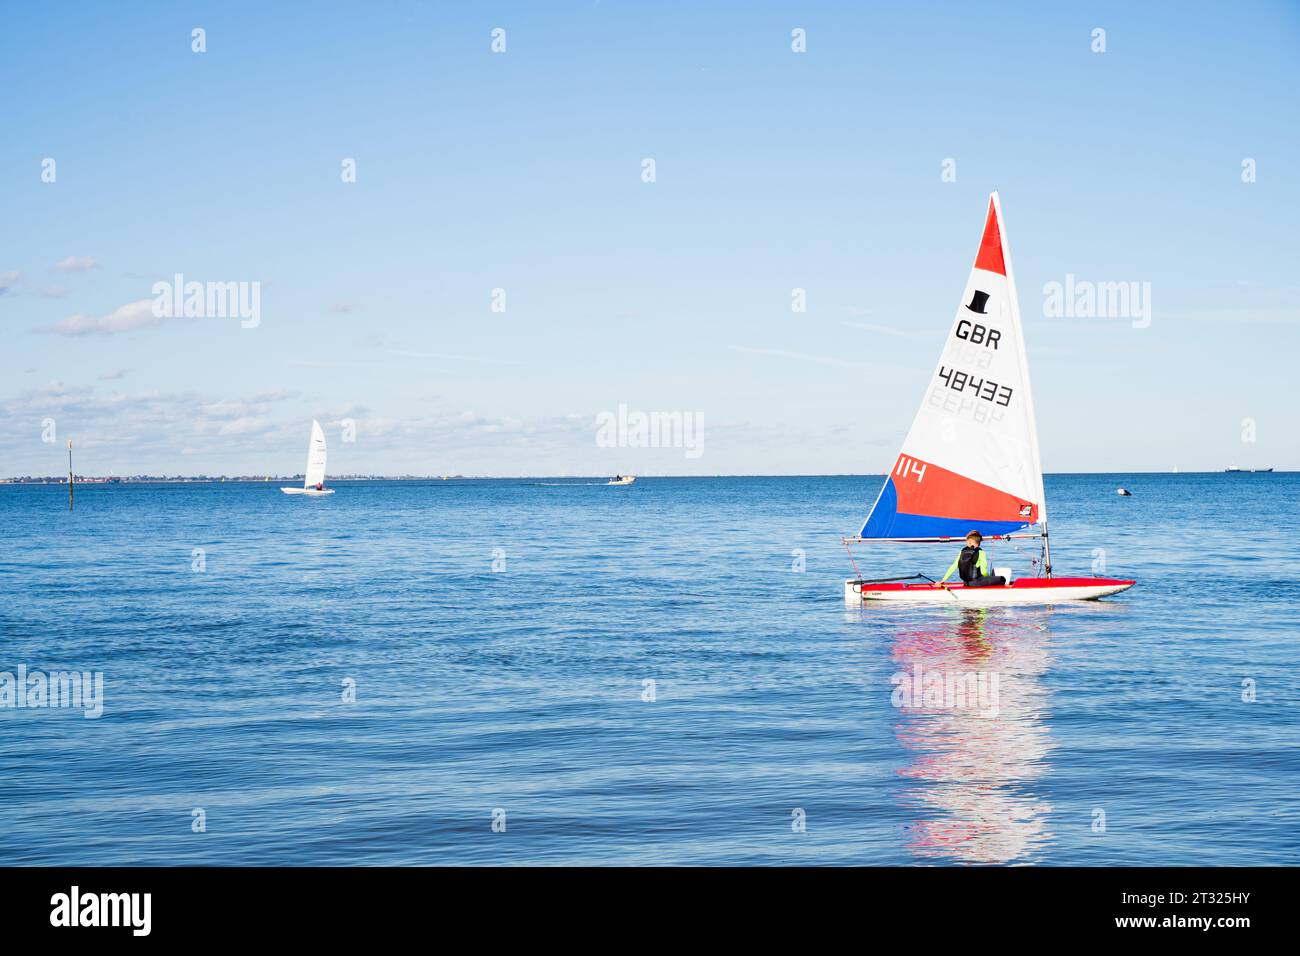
x,y
70,482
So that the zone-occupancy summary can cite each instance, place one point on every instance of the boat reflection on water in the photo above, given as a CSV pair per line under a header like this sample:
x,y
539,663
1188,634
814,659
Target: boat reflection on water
x,y
976,757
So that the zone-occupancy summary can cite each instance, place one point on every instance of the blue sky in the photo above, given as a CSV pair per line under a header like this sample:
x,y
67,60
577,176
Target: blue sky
x,y
522,171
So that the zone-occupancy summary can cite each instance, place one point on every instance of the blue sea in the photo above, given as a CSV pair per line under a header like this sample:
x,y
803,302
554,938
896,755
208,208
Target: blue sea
x,y
553,671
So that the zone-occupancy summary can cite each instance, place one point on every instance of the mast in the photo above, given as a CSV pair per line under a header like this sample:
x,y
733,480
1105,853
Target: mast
x,y
1024,369
70,480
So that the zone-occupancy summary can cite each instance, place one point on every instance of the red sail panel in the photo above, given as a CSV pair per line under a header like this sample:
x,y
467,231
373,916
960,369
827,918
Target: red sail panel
x,y
990,255
926,489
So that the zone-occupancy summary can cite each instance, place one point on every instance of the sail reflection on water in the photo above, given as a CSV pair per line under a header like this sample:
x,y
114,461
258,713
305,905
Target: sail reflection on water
x,y
971,711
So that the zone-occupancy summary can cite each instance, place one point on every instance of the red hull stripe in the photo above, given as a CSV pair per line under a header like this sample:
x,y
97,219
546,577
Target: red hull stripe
x,y
924,488
990,254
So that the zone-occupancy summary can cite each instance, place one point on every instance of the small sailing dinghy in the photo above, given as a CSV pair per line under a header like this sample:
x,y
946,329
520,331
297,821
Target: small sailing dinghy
x,y
314,481
970,461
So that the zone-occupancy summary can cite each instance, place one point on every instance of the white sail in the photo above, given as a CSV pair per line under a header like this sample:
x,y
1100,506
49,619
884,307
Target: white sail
x,y
315,457
970,460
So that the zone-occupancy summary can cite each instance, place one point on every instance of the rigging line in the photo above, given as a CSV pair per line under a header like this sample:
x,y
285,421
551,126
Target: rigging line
x,y
852,560
1036,563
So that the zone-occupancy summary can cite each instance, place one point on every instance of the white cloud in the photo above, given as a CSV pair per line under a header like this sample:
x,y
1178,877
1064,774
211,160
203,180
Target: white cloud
x,y
326,363
128,318
8,280
124,432
1284,316
245,426
75,264
803,357
146,430
887,330
408,353
112,375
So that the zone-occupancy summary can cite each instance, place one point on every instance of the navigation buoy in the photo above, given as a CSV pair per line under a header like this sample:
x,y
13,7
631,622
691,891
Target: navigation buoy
x,y
1124,491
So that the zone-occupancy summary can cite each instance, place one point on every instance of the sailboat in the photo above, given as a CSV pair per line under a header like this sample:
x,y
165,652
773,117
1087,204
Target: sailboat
x,y
970,460
314,481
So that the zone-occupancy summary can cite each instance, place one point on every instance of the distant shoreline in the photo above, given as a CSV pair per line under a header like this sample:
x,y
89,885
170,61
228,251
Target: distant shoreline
x,y
297,479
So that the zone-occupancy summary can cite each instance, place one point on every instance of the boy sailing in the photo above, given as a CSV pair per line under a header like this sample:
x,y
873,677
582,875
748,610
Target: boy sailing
x,y
972,565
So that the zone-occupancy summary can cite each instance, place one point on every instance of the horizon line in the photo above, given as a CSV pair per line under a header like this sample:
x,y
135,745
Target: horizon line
x,y
249,479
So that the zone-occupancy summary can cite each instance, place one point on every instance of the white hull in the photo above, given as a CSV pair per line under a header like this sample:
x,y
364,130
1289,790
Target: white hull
x,y
624,481
308,491
1029,591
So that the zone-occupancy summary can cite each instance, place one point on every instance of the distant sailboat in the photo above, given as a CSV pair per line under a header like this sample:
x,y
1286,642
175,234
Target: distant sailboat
x,y
314,481
970,460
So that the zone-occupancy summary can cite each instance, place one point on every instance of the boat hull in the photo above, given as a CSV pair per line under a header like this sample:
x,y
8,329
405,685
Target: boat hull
x,y
624,481
1023,591
308,491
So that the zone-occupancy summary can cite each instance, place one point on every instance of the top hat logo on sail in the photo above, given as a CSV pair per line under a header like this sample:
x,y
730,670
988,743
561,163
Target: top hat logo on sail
x,y
977,302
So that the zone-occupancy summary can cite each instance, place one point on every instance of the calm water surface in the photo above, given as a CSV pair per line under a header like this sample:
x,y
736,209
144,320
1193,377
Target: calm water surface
x,y
523,689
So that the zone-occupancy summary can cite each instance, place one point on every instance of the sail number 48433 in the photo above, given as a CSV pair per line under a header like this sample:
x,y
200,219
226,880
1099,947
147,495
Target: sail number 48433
x,y
984,388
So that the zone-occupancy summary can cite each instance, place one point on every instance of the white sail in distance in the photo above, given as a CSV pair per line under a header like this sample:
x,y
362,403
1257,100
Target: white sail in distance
x,y
315,457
